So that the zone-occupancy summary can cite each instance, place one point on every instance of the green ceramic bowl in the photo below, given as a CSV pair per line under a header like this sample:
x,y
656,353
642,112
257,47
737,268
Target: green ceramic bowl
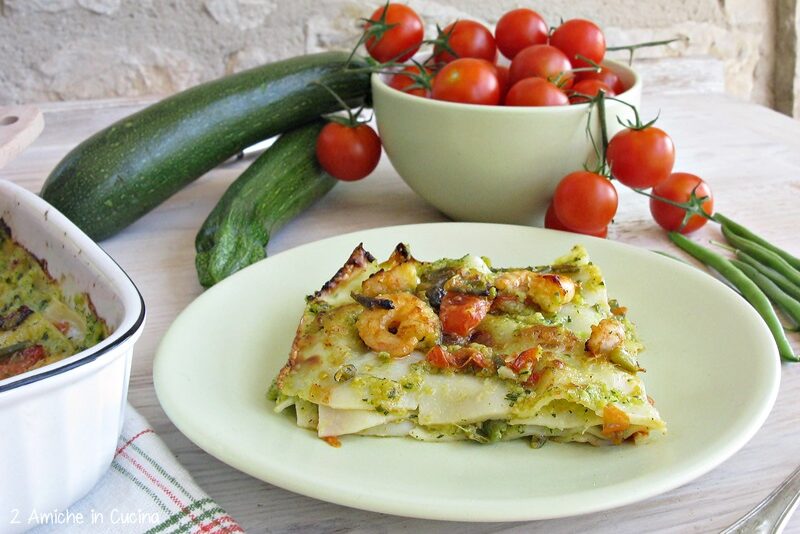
x,y
490,163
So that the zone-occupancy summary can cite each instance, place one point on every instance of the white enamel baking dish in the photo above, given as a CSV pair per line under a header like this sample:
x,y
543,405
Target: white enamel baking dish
x,y
59,424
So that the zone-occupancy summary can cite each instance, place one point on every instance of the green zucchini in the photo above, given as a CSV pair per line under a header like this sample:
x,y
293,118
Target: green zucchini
x,y
281,183
126,170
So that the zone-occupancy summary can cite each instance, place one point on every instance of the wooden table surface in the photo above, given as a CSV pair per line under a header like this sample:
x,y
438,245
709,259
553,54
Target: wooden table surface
x,y
750,156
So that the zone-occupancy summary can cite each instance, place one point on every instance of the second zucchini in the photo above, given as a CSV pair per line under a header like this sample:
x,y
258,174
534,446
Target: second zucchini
x,y
280,184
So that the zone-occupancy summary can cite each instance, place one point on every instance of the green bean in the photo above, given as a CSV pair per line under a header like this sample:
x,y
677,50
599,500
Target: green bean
x,y
762,254
781,281
786,303
747,234
747,287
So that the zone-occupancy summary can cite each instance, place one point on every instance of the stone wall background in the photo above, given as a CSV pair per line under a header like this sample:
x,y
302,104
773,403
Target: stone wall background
x,y
83,49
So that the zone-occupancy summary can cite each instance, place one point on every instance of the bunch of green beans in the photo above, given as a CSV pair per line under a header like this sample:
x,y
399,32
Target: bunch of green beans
x,y
763,273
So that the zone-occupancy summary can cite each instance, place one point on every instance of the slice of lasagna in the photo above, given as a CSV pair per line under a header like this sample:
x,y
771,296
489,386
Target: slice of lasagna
x,y
457,349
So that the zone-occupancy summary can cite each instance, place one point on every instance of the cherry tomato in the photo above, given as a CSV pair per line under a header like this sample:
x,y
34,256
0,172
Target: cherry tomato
x,y
502,78
607,76
346,152
535,92
407,80
678,187
399,42
590,88
585,201
467,80
542,61
551,221
466,38
641,158
518,29
461,313
580,37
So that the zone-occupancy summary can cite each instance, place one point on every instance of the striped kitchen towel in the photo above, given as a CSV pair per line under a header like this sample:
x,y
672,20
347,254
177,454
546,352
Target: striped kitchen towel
x,y
147,490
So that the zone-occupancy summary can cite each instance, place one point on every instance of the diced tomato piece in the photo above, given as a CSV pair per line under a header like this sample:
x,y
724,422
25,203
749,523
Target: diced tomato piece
x,y
333,441
482,337
461,313
619,310
479,360
62,326
22,361
524,359
468,355
615,421
533,379
461,357
439,357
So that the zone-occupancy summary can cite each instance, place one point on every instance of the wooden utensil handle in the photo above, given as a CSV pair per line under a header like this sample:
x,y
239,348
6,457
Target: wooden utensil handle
x,y
19,127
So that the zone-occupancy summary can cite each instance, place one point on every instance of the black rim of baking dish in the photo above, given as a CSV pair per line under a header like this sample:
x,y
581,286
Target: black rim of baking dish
x,y
93,355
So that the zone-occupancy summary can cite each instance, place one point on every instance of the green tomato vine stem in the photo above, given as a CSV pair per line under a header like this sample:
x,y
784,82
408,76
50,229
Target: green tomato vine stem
x,y
693,206
634,47
352,119
601,104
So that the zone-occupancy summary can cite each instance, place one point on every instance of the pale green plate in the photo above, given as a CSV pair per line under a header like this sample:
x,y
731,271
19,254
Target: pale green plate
x,y
712,368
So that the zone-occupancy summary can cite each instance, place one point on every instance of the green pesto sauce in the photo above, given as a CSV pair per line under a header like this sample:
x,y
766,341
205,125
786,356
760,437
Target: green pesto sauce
x,y
63,325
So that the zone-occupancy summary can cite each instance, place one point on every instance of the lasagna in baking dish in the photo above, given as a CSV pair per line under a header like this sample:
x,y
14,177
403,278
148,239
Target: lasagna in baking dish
x,y
457,349
39,323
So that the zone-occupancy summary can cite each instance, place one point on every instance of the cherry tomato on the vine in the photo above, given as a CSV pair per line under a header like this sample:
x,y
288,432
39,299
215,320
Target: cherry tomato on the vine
x,y
407,80
641,158
535,92
466,38
541,61
590,88
469,81
399,42
580,37
585,201
678,188
348,152
519,29
551,221
607,76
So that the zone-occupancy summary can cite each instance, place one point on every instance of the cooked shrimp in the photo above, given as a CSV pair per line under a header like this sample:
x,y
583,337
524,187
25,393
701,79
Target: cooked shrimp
x,y
554,338
411,323
606,336
548,291
401,277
